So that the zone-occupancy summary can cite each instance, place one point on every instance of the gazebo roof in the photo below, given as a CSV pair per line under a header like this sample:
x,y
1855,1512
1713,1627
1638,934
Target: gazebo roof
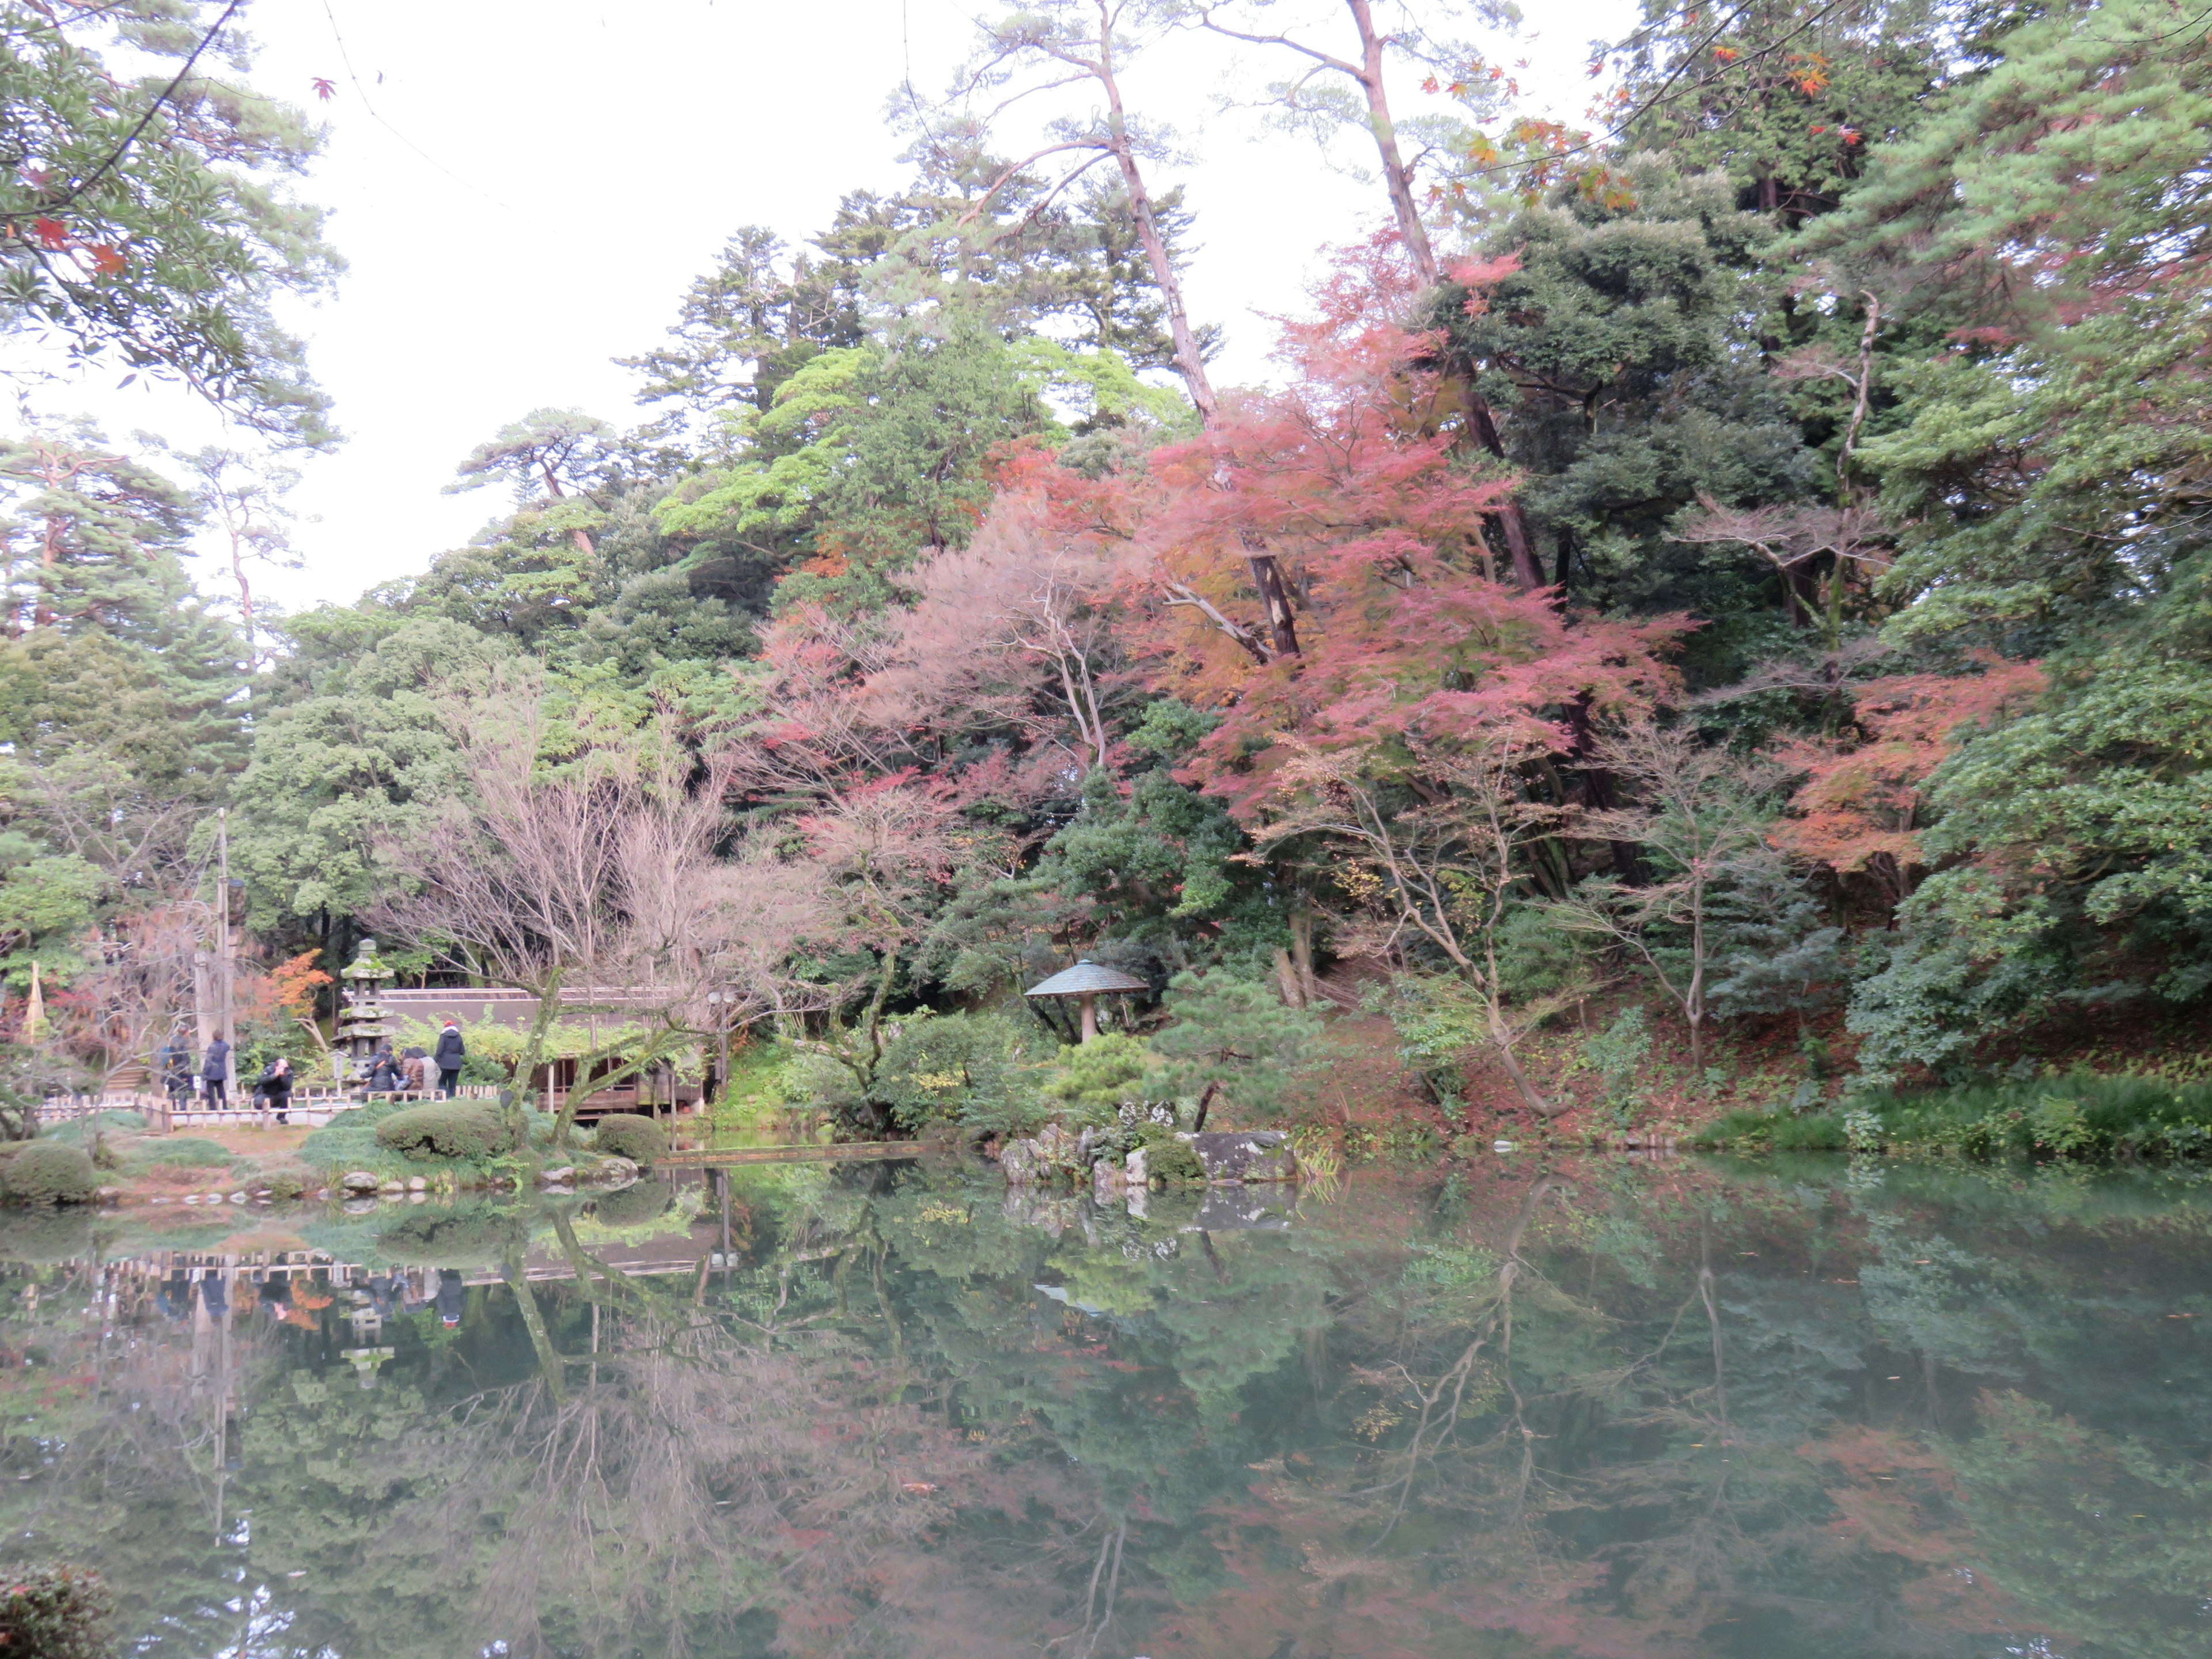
x,y
1085,978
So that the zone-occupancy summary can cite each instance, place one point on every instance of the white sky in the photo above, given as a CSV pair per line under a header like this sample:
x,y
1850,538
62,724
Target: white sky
x,y
560,171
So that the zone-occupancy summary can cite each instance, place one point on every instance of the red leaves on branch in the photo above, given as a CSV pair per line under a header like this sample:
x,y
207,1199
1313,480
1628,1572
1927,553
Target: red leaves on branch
x,y
325,88
50,234
1861,800
1356,477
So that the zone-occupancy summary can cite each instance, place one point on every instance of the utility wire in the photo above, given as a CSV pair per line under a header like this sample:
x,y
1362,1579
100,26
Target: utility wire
x,y
1665,93
346,58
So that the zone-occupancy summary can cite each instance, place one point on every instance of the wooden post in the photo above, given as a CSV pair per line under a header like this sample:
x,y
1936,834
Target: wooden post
x,y
1089,1001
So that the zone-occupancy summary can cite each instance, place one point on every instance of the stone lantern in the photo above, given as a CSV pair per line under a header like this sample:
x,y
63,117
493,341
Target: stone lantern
x,y
362,1021
1084,982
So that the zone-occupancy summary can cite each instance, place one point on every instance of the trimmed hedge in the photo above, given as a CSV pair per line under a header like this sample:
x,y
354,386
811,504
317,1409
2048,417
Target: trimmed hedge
x,y
471,1129
630,1135
46,1172
50,1612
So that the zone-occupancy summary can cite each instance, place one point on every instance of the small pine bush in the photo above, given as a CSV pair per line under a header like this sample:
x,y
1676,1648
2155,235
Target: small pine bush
x,y
630,1135
50,1612
471,1129
45,1172
1175,1163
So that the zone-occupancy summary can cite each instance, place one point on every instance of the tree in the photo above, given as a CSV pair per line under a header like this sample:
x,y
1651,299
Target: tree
x,y
1231,1035
146,217
1317,102
1699,814
1429,839
1790,99
551,454
588,881
242,496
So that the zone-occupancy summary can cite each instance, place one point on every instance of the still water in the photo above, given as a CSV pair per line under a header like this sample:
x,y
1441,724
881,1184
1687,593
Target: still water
x,y
1604,1408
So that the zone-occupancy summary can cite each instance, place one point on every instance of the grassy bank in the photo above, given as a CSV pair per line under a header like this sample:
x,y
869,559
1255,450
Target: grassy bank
x,y
2080,1114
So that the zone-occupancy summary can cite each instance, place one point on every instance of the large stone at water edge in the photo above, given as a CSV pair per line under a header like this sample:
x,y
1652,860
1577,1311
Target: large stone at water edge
x,y
1057,1149
1017,1160
359,1181
1245,1155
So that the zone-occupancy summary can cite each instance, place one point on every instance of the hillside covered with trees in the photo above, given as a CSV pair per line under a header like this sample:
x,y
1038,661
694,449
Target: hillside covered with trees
x,y
1730,587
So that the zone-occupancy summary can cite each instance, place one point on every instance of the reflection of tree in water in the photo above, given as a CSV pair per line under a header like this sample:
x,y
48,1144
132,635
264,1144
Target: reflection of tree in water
x,y
1661,1412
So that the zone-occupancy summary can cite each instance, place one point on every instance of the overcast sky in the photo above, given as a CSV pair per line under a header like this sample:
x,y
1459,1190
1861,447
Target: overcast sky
x,y
524,189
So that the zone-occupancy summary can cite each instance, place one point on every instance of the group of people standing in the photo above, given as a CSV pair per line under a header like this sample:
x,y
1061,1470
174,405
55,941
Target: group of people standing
x,y
409,1071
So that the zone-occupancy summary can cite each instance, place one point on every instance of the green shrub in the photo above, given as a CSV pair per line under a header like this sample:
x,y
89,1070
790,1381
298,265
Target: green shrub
x,y
1175,1163
643,1201
627,1134
974,1070
469,1129
49,1612
45,1172
1095,1077
470,1234
1780,1131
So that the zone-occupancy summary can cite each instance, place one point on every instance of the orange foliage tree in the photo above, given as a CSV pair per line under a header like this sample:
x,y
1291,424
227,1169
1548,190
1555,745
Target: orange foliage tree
x,y
1859,807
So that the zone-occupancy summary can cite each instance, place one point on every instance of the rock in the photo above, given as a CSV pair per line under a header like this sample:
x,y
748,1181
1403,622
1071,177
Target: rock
x,y
615,1170
418,1183
393,1185
1018,1160
359,1181
109,1195
360,1205
560,1176
1137,1167
1238,1155
237,1198
1106,1178
1139,1199
1056,1149
1227,1211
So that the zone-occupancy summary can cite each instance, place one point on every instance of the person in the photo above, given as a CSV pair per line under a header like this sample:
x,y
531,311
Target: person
x,y
414,1066
451,1052
384,1071
215,1073
452,1297
276,1087
177,1076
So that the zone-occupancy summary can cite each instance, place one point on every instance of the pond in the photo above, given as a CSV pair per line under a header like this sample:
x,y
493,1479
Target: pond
x,y
1650,1409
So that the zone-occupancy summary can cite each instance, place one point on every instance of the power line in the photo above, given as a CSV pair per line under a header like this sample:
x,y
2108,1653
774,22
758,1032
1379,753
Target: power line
x,y
1664,93
346,58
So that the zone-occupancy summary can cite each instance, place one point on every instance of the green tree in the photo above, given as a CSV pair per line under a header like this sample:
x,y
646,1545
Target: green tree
x,y
1235,1037
147,214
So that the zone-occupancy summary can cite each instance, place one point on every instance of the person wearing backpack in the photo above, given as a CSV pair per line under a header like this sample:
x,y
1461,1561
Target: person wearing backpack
x,y
451,1052
215,1073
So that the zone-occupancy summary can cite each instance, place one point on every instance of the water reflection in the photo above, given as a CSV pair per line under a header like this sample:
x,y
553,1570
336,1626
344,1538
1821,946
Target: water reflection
x,y
1660,1409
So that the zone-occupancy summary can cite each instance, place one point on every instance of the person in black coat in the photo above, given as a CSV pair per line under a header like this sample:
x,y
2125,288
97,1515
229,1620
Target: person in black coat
x,y
276,1087
451,1052
215,1073
177,1076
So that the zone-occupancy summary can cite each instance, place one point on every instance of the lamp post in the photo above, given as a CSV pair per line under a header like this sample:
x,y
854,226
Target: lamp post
x,y
718,1002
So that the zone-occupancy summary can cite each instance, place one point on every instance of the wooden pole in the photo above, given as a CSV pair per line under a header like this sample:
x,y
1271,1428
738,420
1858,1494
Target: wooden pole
x,y
1089,1001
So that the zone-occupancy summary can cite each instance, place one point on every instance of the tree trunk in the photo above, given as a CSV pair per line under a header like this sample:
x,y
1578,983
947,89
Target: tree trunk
x,y
1286,980
1302,950
1395,174
1268,577
1267,573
